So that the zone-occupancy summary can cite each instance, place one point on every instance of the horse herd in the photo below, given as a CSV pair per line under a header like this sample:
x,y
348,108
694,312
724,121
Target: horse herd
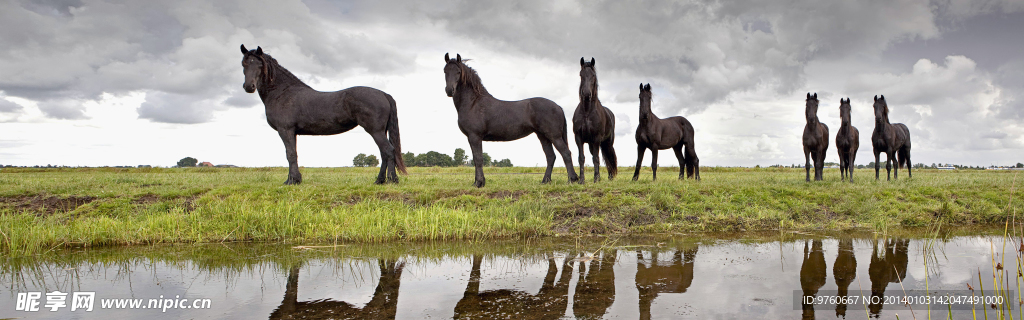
x,y
293,108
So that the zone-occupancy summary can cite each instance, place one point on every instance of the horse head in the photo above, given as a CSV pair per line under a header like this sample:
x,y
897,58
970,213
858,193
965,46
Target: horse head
x,y
588,80
645,100
881,109
452,73
254,66
811,111
844,111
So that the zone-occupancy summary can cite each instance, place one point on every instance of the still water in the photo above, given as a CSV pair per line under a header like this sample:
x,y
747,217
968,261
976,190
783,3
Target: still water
x,y
658,277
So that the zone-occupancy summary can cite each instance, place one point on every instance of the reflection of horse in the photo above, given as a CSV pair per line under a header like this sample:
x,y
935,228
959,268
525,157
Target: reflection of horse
x,y
383,305
812,275
844,271
672,278
887,267
595,291
549,303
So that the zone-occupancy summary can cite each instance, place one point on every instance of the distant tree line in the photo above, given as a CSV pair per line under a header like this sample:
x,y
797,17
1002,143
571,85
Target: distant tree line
x,y
459,158
363,160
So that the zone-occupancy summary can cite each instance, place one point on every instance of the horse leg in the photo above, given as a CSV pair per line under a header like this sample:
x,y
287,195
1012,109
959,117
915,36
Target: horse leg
x,y
692,162
288,136
476,144
851,163
563,149
549,155
906,155
842,167
682,161
876,163
387,156
819,165
639,158
583,159
654,164
595,151
888,165
807,164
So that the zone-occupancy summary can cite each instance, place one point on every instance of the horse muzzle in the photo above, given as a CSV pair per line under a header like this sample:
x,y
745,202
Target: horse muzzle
x,y
449,91
250,88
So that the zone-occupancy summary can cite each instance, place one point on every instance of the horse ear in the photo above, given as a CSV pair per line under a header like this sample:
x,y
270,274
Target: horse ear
x,y
882,97
815,96
592,61
876,97
641,86
647,87
458,57
244,51
808,96
582,63
259,51
446,59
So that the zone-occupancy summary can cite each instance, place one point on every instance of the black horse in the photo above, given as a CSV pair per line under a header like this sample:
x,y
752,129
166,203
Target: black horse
x,y
893,139
815,139
293,108
657,134
594,124
847,141
485,118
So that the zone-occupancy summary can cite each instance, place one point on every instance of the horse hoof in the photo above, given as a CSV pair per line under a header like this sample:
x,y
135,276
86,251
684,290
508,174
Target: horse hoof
x,y
478,184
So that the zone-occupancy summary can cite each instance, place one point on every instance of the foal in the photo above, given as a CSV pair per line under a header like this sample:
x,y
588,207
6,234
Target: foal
x,y
658,134
847,141
815,139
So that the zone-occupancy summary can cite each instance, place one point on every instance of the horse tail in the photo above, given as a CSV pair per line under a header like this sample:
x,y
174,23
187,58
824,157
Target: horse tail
x,y
610,162
394,137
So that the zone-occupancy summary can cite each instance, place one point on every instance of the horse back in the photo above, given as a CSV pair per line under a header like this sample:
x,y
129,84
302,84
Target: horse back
x,y
325,113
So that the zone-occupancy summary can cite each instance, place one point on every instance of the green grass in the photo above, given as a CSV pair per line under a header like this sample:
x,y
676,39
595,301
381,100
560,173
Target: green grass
x,y
44,209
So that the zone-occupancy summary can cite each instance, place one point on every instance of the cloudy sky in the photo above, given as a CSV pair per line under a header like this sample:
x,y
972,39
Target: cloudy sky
x,y
97,82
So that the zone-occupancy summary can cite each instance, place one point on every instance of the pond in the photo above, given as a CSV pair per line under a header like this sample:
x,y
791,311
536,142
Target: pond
x,y
656,277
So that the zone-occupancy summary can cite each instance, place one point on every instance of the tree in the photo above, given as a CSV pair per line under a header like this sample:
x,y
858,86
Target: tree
x,y
434,159
460,157
363,160
187,162
410,159
502,163
1020,165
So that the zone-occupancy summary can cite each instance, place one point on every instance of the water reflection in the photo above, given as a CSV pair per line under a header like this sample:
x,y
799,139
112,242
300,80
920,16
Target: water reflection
x,y
595,290
888,266
383,305
812,275
844,271
547,280
549,303
654,277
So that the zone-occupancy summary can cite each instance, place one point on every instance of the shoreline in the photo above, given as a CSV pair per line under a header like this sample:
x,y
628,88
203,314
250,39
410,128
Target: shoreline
x,y
44,209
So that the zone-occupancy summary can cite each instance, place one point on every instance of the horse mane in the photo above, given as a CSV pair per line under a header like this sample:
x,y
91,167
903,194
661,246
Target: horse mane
x,y
471,78
271,69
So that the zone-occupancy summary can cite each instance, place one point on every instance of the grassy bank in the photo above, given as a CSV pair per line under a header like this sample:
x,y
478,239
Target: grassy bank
x,y
42,209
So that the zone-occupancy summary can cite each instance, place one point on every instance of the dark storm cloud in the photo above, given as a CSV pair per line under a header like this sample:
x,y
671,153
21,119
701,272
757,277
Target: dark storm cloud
x,y
9,107
704,50
59,51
